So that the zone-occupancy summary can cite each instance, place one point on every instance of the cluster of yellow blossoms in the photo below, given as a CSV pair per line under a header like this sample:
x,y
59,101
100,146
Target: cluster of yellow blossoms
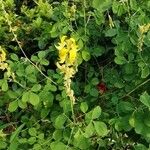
x,y
3,64
142,29
67,50
67,64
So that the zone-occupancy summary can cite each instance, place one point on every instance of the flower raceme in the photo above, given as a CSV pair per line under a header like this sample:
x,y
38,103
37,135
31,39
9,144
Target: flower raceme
x,y
67,51
67,63
3,65
2,55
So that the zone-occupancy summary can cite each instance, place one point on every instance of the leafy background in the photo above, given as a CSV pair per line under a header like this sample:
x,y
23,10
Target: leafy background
x,y
35,112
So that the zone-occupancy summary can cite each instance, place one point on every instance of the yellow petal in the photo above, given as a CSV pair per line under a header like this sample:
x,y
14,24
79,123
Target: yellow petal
x,y
72,56
63,54
63,38
61,45
3,66
73,40
2,55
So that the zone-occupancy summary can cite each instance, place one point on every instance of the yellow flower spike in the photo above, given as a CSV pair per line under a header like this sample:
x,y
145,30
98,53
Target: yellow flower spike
x,y
2,55
67,56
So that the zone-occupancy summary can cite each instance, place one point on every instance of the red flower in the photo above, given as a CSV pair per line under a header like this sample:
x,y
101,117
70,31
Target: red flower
x,y
102,88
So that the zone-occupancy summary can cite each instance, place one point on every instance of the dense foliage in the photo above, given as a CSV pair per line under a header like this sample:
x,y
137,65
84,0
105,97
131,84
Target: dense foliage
x,y
74,74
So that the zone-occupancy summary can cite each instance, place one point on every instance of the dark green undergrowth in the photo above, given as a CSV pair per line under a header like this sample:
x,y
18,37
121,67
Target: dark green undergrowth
x,y
111,86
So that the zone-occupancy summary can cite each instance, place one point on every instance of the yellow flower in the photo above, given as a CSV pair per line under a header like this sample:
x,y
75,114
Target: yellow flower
x,y
63,54
2,55
72,56
67,56
63,39
3,66
62,44
67,50
111,23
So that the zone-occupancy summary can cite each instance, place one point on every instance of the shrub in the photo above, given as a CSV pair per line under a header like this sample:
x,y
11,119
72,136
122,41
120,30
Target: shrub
x,y
74,74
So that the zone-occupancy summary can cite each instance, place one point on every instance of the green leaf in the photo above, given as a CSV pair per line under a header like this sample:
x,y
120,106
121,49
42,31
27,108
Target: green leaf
x,y
147,118
100,128
140,147
41,136
125,107
88,117
32,131
66,105
97,51
145,99
132,121
32,78
89,130
45,112
52,88
13,106
3,145
44,62
34,99
58,146
57,135
122,123
22,104
59,121
34,58
117,8
15,134
86,55
80,141
95,81
41,54
42,44
138,123
133,4
4,85
120,60
13,145
32,140
36,88
29,69
94,92
101,5
96,112
129,68
67,134
22,140
14,57
25,97
145,72
12,94
111,32
84,107
47,98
